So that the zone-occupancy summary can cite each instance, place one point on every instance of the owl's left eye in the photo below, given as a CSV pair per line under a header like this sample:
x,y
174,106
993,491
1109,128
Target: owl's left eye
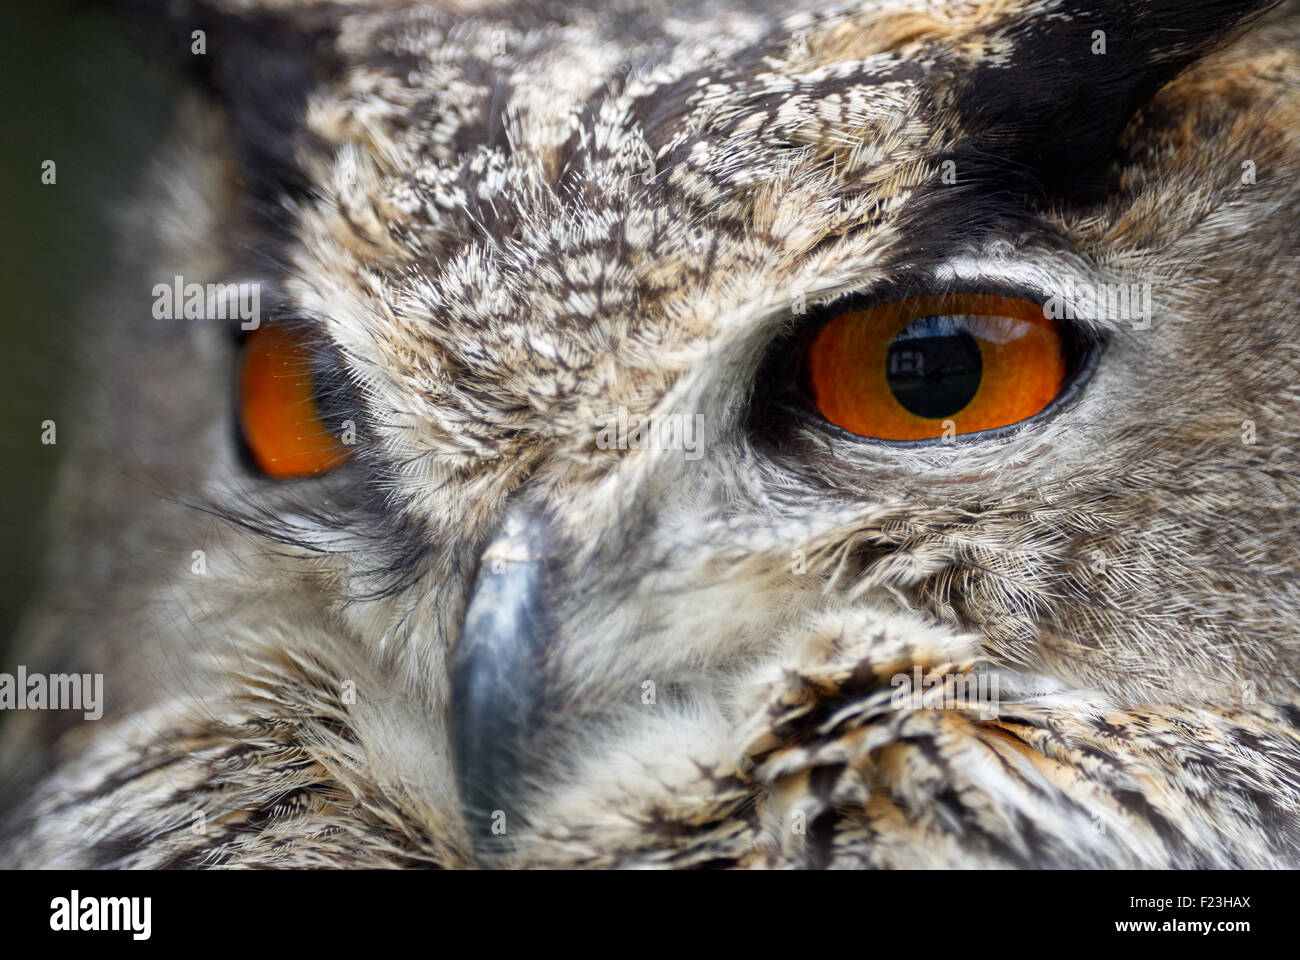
x,y
935,366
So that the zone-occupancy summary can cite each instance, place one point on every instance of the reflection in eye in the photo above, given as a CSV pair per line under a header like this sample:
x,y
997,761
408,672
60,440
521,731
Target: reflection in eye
x,y
899,370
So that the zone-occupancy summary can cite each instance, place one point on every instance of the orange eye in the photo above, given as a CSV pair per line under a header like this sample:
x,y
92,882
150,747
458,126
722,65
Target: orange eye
x,y
898,371
277,407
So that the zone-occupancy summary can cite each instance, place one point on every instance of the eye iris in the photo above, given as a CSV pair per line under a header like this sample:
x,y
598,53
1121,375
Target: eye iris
x,y
277,407
934,366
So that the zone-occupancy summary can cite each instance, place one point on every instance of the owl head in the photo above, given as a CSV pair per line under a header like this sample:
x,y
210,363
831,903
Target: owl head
x,y
651,434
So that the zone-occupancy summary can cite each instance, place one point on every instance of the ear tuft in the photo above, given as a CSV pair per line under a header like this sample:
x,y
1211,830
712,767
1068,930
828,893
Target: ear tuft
x,y
1078,70
260,62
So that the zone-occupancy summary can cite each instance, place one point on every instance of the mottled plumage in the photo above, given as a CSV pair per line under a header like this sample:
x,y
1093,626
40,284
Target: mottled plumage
x,y
499,225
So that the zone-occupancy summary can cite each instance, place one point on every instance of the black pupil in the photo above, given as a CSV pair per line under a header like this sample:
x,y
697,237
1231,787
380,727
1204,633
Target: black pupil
x,y
934,366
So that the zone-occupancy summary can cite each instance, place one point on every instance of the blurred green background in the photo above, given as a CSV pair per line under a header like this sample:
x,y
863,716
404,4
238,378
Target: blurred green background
x,y
81,92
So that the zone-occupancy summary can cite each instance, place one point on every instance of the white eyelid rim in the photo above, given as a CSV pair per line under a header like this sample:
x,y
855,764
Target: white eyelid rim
x,y
1053,280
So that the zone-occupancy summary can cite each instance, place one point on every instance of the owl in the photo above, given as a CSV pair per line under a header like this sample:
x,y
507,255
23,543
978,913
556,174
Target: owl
x,y
703,434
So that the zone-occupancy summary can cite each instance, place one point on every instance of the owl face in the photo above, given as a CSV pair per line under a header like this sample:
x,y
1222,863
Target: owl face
x,y
697,435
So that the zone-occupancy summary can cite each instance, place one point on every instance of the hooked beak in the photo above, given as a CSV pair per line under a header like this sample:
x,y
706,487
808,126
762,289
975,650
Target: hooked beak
x,y
496,680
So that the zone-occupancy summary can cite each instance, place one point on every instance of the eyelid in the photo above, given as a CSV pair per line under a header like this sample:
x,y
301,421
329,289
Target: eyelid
x,y
1056,282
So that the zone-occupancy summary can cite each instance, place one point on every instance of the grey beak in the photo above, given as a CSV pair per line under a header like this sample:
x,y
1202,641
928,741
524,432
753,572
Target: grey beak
x,y
495,681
